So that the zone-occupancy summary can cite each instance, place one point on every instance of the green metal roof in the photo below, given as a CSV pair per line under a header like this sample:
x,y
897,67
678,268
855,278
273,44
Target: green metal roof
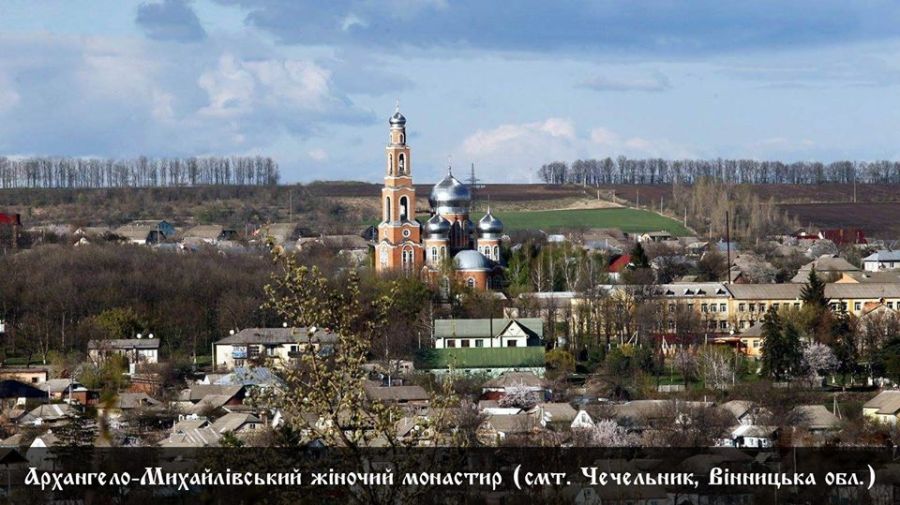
x,y
449,328
474,357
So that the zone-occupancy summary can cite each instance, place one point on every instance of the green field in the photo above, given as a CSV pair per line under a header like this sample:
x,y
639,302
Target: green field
x,y
627,220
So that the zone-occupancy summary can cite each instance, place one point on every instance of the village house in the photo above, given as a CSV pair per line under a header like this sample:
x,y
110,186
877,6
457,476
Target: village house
x,y
657,236
829,267
136,350
883,408
275,347
203,398
491,346
146,232
881,260
28,375
208,234
57,389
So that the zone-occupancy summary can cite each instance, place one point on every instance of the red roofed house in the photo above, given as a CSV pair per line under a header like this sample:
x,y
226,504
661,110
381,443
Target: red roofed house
x,y
841,236
618,265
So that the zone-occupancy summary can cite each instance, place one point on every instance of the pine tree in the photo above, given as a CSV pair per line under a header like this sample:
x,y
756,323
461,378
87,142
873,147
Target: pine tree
x,y
813,292
781,349
639,257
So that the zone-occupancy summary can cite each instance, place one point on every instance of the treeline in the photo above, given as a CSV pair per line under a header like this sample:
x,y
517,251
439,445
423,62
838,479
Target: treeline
x,y
50,172
594,172
56,298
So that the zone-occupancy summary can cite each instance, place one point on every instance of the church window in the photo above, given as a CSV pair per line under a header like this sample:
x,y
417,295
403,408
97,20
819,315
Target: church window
x,y
434,254
387,209
404,206
402,163
384,256
470,282
496,252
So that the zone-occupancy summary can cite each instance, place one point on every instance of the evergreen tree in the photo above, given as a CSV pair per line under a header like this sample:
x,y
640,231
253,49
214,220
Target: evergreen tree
x,y
813,292
639,257
781,350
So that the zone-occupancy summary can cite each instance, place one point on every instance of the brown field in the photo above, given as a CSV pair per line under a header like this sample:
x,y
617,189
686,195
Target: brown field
x,y
877,220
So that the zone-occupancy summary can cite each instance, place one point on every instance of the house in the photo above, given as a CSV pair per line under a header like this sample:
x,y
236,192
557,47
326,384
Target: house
x,y
53,414
192,432
146,231
276,345
884,408
57,389
18,394
657,236
617,266
557,414
828,267
751,436
881,260
498,429
844,236
237,423
881,277
489,333
28,375
137,350
491,346
744,412
582,421
202,398
245,376
208,234
279,233
816,418
414,396
530,381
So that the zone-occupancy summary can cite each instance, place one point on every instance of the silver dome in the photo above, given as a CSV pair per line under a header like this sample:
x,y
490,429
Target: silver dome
x,y
450,196
490,225
471,260
437,226
398,119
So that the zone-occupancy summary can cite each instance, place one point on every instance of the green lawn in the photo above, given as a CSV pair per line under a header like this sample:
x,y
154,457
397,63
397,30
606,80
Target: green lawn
x,y
627,220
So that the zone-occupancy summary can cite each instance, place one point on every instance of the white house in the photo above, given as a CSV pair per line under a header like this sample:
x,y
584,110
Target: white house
x,y
881,260
883,408
137,350
275,345
450,333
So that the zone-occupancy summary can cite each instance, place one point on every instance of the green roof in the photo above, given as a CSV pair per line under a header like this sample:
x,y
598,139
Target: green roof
x,y
449,328
479,357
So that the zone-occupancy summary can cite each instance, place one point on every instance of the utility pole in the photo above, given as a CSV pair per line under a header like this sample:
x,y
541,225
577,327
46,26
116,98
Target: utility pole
x,y
728,247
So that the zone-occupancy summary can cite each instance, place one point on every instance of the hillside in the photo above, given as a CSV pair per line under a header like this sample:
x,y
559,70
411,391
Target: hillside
x,y
344,207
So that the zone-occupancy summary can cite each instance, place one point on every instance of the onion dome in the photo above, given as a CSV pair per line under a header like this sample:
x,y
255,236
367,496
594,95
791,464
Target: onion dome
x,y
450,196
490,225
471,260
437,226
398,119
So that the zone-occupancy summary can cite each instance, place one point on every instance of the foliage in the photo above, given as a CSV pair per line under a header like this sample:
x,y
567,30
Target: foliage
x,y
520,396
781,352
607,433
813,292
560,363
819,360
717,366
639,257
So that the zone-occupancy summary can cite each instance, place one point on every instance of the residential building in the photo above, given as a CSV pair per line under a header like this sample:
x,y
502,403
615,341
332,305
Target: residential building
x,y
145,232
491,346
881,260
490,333
136,350
208,234
657,236
272,346
28,375
884,408
828,267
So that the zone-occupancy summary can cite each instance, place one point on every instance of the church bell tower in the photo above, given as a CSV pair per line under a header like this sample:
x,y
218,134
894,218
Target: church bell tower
x,y
399,246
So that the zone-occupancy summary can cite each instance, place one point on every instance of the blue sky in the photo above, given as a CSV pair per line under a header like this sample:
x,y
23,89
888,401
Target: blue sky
x,y
504,85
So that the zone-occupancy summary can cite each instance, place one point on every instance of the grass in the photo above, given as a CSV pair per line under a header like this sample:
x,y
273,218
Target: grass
x,y
627,220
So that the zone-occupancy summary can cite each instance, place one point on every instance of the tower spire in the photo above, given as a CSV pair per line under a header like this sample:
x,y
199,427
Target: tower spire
x,y
449,164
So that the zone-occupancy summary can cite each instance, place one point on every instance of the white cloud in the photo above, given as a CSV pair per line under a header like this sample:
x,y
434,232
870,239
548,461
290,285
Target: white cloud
x,y
318,154
513,152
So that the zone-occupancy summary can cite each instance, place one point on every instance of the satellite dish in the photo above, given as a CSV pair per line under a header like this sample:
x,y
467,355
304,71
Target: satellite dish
x,y
312,329
284,324
150,336
139,336
231,332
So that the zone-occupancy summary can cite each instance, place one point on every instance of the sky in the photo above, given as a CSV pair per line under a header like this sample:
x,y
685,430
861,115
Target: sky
x,y
506,86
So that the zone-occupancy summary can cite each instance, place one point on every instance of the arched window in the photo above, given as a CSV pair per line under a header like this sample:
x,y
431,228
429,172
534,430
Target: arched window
x,y
390,165
402,163
404,205
402,138
496,252
470,282
434,254
443,251
384,256
387,209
